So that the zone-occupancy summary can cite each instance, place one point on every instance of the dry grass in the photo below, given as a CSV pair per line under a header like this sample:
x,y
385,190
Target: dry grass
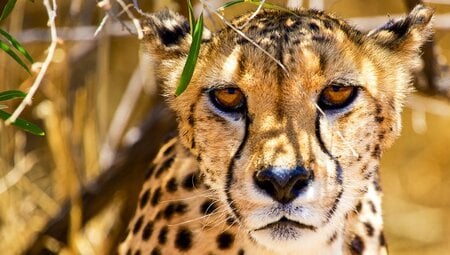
x,y
92,96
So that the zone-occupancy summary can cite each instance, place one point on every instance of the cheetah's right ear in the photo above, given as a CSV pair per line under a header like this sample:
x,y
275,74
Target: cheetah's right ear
x,y
169,32
407,34
164,49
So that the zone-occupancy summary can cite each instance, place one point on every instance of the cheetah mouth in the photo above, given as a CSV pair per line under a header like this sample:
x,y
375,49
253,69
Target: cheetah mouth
x,y
284,226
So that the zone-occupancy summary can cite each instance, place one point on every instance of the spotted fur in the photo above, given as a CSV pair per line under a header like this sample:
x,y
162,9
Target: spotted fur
x,y
201,195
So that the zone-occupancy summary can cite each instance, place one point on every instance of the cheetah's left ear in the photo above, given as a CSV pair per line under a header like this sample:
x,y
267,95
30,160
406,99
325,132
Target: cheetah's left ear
x,y
407,34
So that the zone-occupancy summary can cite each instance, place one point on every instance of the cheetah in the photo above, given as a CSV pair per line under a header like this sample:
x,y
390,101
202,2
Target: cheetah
x,y
280,134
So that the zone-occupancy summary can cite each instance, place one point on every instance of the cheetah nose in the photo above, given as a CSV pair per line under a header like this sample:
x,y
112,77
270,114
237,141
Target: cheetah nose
x,y
283,185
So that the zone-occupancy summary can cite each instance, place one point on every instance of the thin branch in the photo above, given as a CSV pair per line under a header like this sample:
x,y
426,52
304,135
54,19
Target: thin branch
x,y
51,12
239,32
261,4
135,21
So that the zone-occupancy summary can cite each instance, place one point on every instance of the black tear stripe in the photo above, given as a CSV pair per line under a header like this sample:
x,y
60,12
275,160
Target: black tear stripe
x,y
326,151
191,123
338,169
229,177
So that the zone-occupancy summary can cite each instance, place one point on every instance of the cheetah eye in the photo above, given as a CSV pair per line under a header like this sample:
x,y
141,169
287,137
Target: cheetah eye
x,y
228,99
336,96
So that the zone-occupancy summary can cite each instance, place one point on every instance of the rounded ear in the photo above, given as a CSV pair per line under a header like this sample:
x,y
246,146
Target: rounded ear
x,y
406,34
165,47
166,30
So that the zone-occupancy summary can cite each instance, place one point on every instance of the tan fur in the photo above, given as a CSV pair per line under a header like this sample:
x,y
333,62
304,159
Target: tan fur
x,y
281,128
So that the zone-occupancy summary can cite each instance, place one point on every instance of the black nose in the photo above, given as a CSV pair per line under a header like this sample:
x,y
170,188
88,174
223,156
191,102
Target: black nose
x,y
283,185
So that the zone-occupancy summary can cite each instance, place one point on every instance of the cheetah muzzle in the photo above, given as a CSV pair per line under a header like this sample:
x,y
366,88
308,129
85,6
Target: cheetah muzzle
x,y
278,146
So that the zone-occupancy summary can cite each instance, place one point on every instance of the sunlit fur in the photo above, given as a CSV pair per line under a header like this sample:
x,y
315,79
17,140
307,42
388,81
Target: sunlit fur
x,y
281,128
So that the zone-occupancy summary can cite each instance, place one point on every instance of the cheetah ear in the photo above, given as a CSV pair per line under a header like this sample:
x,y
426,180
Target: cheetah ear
x,y
166,31
407,34
164,48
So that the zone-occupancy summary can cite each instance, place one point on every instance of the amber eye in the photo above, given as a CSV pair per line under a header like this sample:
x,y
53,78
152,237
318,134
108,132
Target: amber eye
x,y
335,96
228,99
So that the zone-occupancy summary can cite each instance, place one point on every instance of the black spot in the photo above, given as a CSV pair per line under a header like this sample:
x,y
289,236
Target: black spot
x,y
208,207
379,119
138,252
164,167
169,211
183,239
169,150
172,185
128,252
358,207
225,240
162,236
148,230
376,153
321,38
327,24
156,196
181,208
158,215
357,245
382,240
156,251
314,27
230,220
378,109
150,170
138,224
332,238
241,252
369,228
144,198
372,207
191,181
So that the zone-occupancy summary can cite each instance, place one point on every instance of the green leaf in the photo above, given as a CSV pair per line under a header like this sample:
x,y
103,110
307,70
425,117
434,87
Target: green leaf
x,y
23,124
191,16
11,94
191,60
8,8
226,5
16,45
8,50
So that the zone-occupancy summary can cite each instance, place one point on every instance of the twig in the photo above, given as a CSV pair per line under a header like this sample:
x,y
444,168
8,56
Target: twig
x,y
133,19
15,175
239,32
120,119
102,24
51,12
261,4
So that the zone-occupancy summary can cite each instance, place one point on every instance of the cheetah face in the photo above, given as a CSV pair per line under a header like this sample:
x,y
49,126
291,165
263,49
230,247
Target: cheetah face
x,y
288,135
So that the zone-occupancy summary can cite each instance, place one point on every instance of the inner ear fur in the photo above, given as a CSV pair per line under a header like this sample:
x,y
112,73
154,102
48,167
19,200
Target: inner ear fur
x,y
406,34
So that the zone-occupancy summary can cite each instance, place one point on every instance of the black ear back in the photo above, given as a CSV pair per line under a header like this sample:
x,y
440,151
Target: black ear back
x,y
166,28
410,31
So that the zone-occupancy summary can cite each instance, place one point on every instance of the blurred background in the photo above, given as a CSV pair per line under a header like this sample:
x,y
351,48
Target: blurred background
x,y
74,190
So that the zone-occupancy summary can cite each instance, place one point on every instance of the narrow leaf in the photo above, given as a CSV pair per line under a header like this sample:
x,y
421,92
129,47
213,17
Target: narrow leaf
x,y
23,124
11,94
16,45
191,16
8,50
8,8
226,5
191,60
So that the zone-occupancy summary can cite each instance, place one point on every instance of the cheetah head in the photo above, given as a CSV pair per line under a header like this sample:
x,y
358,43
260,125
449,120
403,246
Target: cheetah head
x,y
288,124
